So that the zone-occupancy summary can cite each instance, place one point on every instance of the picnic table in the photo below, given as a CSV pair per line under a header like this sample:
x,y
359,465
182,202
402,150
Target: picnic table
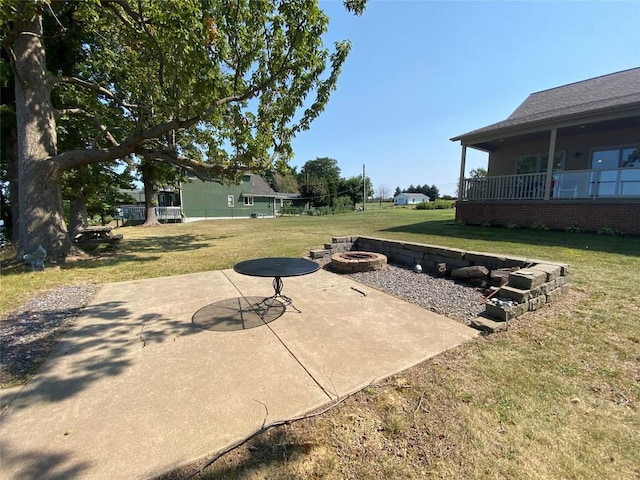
x,y
96,235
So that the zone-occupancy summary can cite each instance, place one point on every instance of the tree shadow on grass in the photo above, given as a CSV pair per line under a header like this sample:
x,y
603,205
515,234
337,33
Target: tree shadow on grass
x,y
142,250
173,243
621,245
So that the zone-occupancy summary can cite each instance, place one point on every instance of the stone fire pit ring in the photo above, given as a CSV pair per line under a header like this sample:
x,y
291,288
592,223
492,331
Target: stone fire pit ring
x,y
352,262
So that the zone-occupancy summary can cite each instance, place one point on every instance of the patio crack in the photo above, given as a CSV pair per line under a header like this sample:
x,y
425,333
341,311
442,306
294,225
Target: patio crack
x,y
330,395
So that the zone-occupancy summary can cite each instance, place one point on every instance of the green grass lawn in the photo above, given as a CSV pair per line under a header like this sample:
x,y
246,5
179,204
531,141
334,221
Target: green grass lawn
x,y
555,396
174,249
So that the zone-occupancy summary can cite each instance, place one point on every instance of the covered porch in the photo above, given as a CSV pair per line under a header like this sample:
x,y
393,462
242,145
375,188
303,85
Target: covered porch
x,y
567,157
593,183
615,183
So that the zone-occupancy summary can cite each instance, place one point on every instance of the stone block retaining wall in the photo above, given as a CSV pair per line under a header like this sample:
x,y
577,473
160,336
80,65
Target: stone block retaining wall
x,y
534,284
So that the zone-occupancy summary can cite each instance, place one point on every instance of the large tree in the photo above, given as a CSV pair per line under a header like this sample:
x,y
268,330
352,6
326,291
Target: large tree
x,y
286,183
479,172
431,191
319,180
352,187
212,86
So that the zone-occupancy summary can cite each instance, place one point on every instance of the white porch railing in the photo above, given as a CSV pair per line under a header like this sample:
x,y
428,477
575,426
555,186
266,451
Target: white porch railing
x,y
505,187
134,212
614,183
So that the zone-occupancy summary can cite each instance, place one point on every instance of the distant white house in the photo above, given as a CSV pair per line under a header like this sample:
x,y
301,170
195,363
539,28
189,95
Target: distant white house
x,y
410,199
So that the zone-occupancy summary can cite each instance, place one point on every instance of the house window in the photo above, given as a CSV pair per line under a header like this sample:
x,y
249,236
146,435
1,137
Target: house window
x,y
611,158
537,163
248,201
616,172
631,157
230,200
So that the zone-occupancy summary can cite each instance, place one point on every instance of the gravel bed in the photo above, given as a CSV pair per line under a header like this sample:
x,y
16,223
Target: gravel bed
x,y
440,295
29,334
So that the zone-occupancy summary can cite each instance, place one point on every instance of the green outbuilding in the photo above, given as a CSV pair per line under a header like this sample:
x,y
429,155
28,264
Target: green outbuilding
x,y
252,197
198,199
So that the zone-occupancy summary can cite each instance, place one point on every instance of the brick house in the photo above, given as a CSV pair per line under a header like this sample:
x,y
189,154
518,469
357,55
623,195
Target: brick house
x,y
591,130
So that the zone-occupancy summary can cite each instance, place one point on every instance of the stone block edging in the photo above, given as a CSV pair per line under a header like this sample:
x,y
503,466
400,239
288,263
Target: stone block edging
x,y
534,284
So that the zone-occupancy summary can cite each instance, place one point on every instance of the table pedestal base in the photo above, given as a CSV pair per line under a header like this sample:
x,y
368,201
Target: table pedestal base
x,y
262,308
276,268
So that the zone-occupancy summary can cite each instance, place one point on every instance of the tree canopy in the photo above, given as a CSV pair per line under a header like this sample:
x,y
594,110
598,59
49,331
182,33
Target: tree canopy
x,y
214,87
479,172
319,180
353,188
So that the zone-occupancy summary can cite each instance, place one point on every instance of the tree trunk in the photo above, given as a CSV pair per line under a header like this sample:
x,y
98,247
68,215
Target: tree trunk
x,y
151,220
11,217
77,215
41,219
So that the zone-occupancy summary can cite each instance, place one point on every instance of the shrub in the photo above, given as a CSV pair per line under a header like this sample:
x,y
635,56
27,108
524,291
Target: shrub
x,y
609,231
436,205
290,210
441,204
342,205
573,229
540,227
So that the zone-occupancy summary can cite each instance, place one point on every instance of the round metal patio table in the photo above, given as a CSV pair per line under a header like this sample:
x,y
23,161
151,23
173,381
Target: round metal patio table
x,y
278,268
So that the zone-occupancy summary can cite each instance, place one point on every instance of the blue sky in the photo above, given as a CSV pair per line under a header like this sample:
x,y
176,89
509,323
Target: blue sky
x,y
421,72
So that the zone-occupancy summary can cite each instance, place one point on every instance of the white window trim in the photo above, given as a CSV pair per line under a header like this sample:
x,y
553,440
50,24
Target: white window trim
x,y
539,166
248,201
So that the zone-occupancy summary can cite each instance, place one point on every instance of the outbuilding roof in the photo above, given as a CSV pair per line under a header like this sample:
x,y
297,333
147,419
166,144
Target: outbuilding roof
x,y
413,195
258,187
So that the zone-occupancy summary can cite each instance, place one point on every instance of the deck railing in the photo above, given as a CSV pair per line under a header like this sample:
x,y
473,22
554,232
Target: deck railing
x,y
505,187
137,213
573,184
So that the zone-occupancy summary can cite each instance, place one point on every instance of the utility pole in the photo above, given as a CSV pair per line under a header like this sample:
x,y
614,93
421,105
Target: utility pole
x,y
364,190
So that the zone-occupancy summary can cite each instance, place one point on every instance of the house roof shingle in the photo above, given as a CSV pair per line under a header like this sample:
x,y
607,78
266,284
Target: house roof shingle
x,y
258,187
615,90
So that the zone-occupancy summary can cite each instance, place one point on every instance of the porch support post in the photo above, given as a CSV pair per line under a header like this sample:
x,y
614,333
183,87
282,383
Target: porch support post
x,y
552,154
463,161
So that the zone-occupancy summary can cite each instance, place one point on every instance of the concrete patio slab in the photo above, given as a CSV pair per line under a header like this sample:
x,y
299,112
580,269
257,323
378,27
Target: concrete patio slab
x,y
136,389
